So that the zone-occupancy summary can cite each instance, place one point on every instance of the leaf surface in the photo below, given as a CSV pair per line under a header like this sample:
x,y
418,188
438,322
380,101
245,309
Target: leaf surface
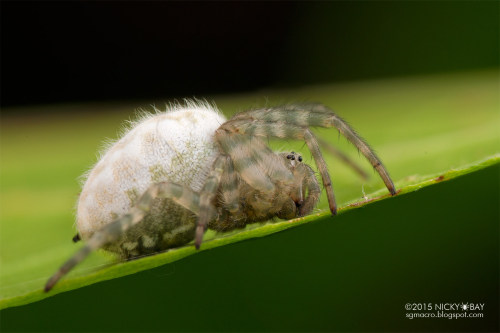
x,y
425,129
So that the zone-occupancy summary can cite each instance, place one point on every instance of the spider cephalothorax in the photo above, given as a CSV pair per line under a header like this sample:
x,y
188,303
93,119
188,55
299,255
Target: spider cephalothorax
x,y
177,173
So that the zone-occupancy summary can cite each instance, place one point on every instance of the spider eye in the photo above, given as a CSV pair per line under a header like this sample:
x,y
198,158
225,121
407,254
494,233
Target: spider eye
x,y
293,152
300,158
289,156
293,157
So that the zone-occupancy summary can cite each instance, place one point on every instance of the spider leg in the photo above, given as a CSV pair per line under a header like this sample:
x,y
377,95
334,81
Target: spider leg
x,y
343,157
229,187
313,146
313,189
287,122
282,130
355,139
246,164
307,195
272,165
207,196
253,160
114,230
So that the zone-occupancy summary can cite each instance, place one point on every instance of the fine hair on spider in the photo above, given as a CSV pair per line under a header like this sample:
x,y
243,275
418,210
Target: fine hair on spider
x,y
174,174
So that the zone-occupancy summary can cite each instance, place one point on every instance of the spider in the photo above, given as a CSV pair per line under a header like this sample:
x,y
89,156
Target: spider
x,y
195,170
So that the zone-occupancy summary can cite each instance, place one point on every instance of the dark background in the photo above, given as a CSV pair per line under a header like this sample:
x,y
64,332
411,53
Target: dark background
x,y
90,51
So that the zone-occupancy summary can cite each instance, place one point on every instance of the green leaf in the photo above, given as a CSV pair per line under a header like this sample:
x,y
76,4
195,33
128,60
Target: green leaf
x,y
425,129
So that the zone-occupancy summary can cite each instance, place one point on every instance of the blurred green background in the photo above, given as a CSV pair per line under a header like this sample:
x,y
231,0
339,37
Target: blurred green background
x,y
418,80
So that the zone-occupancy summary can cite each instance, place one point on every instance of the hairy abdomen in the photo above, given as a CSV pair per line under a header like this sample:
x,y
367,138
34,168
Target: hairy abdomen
x,y
176,146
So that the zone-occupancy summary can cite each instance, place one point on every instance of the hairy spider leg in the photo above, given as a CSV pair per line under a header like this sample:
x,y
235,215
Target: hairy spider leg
x,y
314,191
269,162
355,139
307,191
207,195
287,118
313,146
289,131
343,157
255,162
309,188
229,188
113,231
245,160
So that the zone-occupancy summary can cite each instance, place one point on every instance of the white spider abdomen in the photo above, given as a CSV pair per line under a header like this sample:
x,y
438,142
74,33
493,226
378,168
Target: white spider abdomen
x,y
176,146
